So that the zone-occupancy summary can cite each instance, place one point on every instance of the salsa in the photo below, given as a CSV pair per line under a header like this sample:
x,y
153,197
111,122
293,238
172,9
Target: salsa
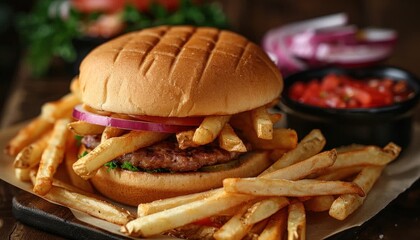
x,y
340,91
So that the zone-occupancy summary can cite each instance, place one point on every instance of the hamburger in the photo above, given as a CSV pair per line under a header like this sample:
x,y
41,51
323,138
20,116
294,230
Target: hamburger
x,y
169,81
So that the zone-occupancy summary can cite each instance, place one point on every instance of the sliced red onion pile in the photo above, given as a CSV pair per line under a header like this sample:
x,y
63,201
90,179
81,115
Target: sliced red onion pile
x,y
81,114
327,40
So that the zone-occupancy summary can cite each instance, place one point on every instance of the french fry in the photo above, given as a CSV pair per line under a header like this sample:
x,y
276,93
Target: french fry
x,y
310,145
304,168
71,156
57,183
87,166
193,231
82,128
90,205
209,129
181,215
231,211
145,209
51,157
110,132
31,155
72,197
235,228
275,117
240,224
52,111
281,187
319,203
282,139
351,147
28,134
340,174
262,123
370,155
296,222
229,141
276,226
264,209
23,174
346,204
185,139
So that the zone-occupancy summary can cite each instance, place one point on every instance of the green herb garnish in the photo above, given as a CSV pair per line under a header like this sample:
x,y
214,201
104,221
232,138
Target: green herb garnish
x,y
48,34
78,139
111,165
129,166
84,153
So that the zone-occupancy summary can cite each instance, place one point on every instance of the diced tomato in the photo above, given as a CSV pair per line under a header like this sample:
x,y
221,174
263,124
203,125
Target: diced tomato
x,y
312,94
330,82
297,90
338,91
334,101
362,96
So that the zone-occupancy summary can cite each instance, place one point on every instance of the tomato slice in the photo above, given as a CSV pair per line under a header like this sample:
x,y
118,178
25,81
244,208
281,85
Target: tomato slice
x,y
111,6
88,6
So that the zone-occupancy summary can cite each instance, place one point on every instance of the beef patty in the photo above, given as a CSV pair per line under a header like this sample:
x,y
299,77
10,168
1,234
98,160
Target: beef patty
x,y
167,155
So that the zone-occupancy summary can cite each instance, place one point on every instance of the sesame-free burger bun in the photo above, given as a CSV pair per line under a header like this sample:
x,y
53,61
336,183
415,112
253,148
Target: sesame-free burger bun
x,y
178,72
133,188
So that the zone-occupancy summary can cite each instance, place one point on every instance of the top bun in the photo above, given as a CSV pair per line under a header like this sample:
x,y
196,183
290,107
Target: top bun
x,y
178,72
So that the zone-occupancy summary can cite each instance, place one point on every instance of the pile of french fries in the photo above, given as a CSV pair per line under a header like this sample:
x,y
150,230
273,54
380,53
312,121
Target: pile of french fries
x,y
273,205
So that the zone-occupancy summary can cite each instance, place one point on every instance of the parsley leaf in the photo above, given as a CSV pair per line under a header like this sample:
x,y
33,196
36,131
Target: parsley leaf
x,y
49,34
111,165
83,154
78,140
129,166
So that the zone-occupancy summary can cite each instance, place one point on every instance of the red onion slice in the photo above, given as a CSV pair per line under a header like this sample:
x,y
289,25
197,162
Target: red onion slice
x,y
275,41
352,55
81,114
345,46
327,40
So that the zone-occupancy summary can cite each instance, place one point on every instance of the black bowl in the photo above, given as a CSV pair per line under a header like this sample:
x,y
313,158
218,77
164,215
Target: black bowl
x,y
377,126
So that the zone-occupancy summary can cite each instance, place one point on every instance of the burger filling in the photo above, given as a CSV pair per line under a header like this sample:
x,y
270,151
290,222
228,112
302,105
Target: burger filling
x,y
166,156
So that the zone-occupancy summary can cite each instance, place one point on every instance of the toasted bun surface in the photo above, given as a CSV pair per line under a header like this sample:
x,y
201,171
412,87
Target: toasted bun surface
x,y
179,71
133,188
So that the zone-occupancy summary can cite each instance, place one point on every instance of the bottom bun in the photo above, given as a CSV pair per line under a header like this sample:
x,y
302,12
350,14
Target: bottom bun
x,y
133,188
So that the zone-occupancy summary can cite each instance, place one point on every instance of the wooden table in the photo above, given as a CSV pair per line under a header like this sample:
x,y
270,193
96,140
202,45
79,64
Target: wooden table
x,y
400,219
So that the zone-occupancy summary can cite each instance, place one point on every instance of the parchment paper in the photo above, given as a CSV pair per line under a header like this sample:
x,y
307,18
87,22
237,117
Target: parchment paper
x,y
396,178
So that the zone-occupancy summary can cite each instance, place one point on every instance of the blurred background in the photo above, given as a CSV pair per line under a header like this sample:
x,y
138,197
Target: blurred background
x,y
47,37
